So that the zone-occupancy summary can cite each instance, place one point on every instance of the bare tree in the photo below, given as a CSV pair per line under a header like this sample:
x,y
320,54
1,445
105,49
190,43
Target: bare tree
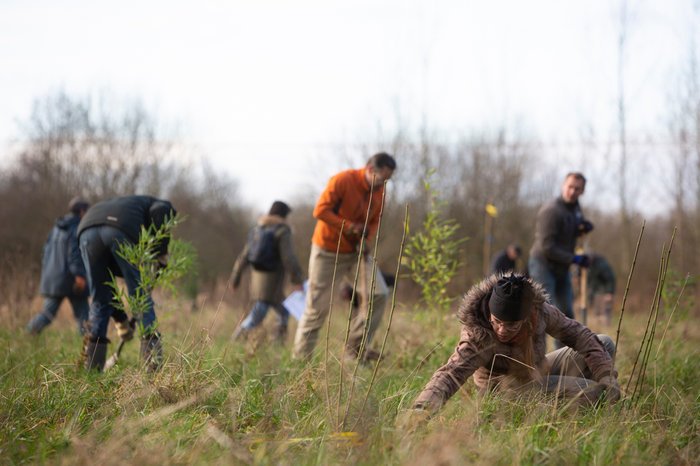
x,y
684,129
100,149
625,215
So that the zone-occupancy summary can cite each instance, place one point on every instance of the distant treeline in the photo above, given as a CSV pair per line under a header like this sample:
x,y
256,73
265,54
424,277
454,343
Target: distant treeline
x,y
76,146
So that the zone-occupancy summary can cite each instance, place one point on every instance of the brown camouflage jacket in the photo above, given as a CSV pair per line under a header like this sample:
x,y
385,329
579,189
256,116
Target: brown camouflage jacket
x,y
498,365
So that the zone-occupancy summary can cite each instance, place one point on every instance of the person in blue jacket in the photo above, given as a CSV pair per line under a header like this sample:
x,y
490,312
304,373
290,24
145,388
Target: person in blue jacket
x,y
101,231
62,271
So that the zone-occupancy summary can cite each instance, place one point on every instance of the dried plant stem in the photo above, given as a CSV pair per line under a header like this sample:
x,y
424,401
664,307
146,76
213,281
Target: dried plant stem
x,y
654,315
369,297
627,289
391,317
645,361
646,330
328,326
360,258
678,301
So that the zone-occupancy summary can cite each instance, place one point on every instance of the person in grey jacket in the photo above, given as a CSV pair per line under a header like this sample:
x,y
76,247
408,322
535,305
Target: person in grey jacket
x,y
62,270
267,282
105,226
559,223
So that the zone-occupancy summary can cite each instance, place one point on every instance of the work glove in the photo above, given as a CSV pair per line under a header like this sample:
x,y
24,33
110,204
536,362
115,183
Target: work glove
x,y
611,387
584,227
125,329
582,260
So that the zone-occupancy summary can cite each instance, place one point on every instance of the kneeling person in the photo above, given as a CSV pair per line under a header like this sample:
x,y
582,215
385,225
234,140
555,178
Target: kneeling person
x,y
502,344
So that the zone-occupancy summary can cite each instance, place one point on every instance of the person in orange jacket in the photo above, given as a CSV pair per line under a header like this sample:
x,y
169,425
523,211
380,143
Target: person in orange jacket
x,y
350,197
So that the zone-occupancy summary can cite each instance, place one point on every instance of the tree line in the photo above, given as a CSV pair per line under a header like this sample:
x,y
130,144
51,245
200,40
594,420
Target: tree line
x,y
76,145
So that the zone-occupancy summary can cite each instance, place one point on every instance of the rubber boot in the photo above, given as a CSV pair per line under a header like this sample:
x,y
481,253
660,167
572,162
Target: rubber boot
x,y
96,354
151,352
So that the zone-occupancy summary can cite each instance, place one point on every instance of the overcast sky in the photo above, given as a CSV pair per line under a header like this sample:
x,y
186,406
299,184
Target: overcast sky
x,y
265,87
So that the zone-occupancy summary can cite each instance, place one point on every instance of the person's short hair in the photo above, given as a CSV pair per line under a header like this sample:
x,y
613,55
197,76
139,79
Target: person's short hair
x,y
518,250
382,160
577,175
280,208
78,204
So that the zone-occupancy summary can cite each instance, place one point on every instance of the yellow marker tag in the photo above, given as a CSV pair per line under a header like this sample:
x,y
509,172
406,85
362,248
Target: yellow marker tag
x,y
491,210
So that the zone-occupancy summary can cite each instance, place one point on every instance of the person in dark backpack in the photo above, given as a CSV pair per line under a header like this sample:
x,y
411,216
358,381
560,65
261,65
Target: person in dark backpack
x,y
269,254
62,270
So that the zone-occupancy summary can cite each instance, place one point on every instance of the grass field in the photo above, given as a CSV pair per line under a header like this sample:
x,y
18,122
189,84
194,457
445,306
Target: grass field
x,y
218,402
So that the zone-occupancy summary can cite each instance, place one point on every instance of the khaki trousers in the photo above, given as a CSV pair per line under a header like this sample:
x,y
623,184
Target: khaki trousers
x,y
321,264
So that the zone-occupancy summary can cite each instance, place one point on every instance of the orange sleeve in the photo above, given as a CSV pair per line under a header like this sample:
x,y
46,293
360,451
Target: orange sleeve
x,y
327,205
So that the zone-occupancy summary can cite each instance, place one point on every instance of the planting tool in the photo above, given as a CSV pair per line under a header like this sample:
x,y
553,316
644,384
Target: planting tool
x,y
113,359
583,292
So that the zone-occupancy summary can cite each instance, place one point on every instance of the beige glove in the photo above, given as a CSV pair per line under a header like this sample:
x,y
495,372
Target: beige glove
x,y
125,331
612,388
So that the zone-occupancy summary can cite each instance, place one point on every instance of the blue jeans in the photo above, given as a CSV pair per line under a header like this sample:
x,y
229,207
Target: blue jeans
x,y
557,285
99,246
259,311
48,313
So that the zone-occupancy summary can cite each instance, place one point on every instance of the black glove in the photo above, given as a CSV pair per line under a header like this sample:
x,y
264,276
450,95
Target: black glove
x,y
582,260
584,227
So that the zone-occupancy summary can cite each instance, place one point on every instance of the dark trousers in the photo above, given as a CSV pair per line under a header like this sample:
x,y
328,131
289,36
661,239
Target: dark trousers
x,y
99,246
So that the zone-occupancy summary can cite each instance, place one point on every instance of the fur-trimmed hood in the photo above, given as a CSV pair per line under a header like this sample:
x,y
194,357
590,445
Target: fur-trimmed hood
x,y
473,310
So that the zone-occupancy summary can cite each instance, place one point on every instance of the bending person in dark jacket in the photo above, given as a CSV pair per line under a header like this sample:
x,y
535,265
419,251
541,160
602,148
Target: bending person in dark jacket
x,y
62,270
106,225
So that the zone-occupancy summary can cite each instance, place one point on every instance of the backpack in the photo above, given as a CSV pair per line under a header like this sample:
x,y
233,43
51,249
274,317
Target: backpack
x,y
263,250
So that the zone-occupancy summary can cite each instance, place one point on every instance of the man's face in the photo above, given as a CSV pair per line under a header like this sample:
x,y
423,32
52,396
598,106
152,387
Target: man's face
x,y
572,189
506,331
379,175
512,253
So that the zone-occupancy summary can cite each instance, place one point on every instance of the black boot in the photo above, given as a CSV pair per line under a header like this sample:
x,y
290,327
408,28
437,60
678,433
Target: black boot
x,y
151,352
96,354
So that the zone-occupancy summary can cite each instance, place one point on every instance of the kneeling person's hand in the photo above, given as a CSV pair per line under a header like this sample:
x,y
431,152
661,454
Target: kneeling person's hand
x,y
612,388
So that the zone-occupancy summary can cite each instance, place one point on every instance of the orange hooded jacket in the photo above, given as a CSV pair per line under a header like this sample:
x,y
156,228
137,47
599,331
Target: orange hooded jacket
x,y
347,197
